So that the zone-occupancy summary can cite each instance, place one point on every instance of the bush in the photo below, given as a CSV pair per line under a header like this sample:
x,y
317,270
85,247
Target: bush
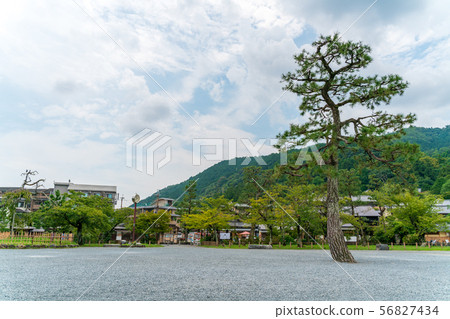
x,y
287,239
411,239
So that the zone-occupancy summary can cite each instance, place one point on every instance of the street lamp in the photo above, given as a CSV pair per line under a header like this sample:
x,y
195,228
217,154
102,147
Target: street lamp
x,y
135,200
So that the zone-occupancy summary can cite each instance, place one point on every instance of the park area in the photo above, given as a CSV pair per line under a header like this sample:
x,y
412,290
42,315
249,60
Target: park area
x,y
198,273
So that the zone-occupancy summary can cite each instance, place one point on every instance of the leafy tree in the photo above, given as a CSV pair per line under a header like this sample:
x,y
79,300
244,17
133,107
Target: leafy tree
x,y
9,204
194,221
359,223
254,175
437,186
54,200
3,218
328,82
153,223
214,216
88,216
303,203
262,211
349,186
256,181
410,216
445,190
426,169
44,217
189,204
117,217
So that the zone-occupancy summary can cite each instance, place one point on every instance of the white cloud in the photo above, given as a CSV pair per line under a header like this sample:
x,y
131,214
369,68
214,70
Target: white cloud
x,y
91,96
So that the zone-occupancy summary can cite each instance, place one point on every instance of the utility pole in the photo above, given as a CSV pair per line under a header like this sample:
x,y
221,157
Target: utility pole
x,y
157,201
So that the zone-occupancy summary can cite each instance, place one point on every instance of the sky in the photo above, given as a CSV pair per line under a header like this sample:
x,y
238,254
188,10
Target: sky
x,y
78,79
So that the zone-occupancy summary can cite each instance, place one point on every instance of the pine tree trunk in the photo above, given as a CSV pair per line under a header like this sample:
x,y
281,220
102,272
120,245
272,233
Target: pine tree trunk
x,y
338,247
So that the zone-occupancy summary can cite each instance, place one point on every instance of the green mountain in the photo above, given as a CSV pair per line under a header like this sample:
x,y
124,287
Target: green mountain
x,y
226,179
430,139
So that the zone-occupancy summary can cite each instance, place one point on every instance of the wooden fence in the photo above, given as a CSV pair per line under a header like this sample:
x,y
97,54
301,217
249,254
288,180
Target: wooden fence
x,y
24,238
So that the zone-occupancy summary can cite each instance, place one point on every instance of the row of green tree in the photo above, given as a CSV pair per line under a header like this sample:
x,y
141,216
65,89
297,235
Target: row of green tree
x,y
290,212
296,212
91,218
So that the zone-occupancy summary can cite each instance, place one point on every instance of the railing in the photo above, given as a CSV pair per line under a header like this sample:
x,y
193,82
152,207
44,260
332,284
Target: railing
x,y
33,239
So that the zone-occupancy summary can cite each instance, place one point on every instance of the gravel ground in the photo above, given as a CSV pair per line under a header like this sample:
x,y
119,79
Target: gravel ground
x,y
195,273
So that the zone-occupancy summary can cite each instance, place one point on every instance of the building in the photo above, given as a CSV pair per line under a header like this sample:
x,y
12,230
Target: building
x,y
370,214
88,190
158,206
161,205
444,207
238,227
38,197
41,195
442,236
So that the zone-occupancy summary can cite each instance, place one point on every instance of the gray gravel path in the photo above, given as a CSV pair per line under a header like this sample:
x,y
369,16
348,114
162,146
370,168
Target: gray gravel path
x,y
195,273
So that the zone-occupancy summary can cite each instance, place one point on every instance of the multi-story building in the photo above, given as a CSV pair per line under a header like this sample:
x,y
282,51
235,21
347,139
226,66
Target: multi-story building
x,y
88,190
161,205
38,196
23,221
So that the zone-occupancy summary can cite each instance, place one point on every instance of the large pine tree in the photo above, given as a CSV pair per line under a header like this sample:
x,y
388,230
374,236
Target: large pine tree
x,y
328,82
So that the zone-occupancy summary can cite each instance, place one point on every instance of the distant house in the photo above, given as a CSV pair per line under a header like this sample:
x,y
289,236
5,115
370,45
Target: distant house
x,y
364,209
442,236
444,207
107,191
165,204
238,226
159,205
38,197
369,213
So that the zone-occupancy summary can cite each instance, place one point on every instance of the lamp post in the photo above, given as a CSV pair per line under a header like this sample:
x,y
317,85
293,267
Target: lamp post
x,y
135,200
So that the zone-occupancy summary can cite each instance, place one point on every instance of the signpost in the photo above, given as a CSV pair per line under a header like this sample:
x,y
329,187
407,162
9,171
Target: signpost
x,y
224,236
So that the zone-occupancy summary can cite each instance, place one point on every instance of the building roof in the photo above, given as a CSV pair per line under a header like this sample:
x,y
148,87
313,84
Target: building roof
x,y
242,205
444,207
88,187
159,207
363,198
366,211
32,190
165,198
8,189
237,223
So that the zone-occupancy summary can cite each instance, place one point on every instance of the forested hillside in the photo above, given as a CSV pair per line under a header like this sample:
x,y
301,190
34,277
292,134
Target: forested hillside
x,y
431,140
430,171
